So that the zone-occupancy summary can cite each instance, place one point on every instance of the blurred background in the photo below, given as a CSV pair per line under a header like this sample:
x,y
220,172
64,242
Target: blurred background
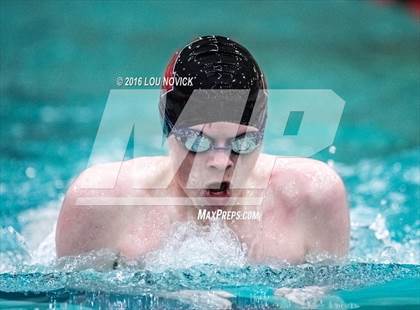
x,y
59,61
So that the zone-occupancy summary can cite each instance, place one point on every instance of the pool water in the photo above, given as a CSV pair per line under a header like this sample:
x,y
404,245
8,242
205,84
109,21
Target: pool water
x,y
56,73
350,286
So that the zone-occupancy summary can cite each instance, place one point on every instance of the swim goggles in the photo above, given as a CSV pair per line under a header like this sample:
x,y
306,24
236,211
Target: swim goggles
x,y
197,142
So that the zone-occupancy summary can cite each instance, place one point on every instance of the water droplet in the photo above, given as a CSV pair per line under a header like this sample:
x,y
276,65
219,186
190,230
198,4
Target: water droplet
x,y
30,172
332,149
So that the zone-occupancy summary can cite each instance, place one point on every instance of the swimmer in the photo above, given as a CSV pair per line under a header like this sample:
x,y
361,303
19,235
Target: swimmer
x,y
303,212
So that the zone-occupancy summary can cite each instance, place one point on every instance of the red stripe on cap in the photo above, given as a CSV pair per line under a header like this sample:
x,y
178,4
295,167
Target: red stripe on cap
x,y
169,72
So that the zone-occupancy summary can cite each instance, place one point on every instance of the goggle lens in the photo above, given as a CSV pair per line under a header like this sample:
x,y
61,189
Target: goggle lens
x,y
196,142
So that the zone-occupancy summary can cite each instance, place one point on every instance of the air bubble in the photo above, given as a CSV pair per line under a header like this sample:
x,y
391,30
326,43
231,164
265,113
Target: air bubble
x,y
30,172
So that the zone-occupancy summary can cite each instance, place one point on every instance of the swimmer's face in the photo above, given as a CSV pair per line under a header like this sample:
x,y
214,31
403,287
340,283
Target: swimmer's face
x,y
217,167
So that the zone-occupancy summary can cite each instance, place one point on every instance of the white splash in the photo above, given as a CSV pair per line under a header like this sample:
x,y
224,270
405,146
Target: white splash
x,y
191,244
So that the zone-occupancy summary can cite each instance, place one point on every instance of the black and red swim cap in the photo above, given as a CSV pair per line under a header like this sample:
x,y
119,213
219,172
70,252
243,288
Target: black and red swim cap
x,y
213,63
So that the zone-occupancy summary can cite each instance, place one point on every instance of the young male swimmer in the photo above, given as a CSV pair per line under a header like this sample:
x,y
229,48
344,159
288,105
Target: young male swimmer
x,y
303,211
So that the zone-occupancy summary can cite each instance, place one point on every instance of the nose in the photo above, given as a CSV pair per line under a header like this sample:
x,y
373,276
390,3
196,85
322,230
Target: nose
x,y
220,159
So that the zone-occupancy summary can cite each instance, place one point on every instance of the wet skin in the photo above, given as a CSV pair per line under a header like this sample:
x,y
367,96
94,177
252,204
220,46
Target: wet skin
x,y
303,210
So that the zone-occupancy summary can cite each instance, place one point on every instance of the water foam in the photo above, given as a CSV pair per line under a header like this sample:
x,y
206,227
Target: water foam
x,y
191,244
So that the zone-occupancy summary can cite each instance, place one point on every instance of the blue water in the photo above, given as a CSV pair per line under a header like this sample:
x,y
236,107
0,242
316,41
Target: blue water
x,y
58,63
252,286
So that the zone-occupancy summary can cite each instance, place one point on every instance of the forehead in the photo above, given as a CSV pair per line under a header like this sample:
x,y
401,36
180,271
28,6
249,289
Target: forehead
x,y
223,129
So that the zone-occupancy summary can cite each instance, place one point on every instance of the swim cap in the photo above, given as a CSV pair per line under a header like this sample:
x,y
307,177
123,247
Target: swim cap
x,y
213,63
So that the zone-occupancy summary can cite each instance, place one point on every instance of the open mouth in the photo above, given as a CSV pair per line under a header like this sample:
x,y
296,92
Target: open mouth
x,y
218,189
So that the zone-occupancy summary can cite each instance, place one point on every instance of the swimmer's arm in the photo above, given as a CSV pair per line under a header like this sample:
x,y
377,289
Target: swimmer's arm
x,y
326,224
83,228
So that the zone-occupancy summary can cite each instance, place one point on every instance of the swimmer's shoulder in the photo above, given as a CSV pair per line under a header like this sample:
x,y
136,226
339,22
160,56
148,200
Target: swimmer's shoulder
x,y
147,172
115,178
313,179
81,224
122,174
317,194
84,222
